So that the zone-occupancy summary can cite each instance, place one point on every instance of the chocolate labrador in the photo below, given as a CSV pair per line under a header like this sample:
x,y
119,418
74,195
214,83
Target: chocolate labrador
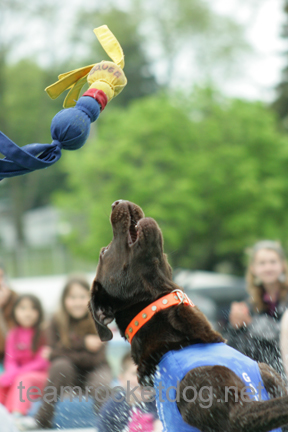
x,y
200,383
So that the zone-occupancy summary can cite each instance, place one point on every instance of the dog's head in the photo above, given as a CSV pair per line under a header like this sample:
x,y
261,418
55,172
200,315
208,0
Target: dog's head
x,y
131,269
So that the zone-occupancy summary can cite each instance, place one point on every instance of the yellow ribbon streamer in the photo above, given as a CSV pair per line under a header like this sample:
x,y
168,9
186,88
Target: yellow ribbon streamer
x,y
75,79
110,45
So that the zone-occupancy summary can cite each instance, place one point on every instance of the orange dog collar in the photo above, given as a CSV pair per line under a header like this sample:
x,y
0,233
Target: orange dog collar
x,y
176,297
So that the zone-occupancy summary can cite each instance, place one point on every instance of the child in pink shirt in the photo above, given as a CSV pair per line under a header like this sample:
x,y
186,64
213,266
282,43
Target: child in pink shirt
x,y
25,362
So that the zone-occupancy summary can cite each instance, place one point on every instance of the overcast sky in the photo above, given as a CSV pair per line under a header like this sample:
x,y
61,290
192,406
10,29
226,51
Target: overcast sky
x,y
262,19
262,70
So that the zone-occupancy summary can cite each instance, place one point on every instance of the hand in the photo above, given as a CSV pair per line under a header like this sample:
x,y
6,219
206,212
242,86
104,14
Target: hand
x,y
92,343
46,352
239,315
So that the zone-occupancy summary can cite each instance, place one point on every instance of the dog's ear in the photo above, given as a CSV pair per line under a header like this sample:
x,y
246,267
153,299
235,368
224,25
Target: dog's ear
x,y
101,317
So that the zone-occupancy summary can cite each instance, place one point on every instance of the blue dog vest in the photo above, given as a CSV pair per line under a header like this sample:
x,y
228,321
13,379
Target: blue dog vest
x,y
174,365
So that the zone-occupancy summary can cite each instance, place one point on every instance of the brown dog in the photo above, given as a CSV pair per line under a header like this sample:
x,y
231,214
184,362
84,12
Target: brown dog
x,y
134,286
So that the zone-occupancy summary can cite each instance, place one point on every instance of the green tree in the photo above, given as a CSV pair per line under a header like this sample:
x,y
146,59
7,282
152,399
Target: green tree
x,y
178,41
210,170
24,107
190,33
28,115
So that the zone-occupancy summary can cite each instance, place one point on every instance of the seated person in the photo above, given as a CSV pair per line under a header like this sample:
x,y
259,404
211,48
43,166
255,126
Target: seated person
x,y
77,355
25,363
119,413
254,327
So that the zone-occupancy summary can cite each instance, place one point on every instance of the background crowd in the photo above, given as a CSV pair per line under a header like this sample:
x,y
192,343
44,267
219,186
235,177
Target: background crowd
x,y
51,357
47,354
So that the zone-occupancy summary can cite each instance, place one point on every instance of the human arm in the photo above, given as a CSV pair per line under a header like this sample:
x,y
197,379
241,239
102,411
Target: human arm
x,y
92,343
239,315
85,359
84,349
39,363
46,352
79,354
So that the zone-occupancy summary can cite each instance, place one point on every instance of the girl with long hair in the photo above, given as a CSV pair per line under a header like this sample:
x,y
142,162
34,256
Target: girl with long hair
x,y
267,278
255,324
78,357
25,362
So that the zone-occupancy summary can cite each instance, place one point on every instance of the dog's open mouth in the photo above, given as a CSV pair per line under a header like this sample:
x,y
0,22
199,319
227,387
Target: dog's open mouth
x,y
133,233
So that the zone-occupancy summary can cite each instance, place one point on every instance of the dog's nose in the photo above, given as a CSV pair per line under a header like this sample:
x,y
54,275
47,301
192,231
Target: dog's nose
x,y
116,203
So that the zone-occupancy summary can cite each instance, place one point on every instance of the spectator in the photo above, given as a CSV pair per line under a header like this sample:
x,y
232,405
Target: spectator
x,y
24,361
7,299
133,414
254,327
78,357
